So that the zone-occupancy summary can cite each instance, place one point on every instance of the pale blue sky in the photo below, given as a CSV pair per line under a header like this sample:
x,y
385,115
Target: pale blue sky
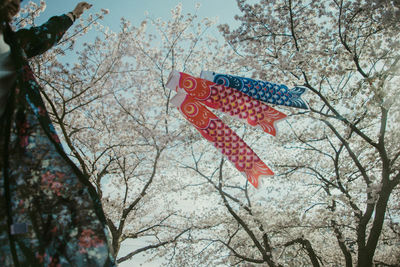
x,y
134,10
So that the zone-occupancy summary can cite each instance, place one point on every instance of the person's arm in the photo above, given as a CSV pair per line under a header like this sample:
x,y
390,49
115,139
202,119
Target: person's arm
x,y
38,40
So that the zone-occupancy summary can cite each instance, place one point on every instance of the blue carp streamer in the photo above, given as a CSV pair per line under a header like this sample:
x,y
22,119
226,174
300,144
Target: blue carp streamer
x,y
271,93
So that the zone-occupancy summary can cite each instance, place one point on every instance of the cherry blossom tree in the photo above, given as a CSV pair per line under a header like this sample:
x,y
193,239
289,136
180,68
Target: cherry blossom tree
x,y
335,198
108,100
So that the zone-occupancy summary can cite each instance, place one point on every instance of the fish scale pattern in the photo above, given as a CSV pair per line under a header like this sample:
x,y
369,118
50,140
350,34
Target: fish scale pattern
x,y
267,92
241,106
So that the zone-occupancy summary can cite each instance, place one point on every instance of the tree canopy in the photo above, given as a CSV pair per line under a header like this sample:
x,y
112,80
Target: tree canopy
x,y
334,200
